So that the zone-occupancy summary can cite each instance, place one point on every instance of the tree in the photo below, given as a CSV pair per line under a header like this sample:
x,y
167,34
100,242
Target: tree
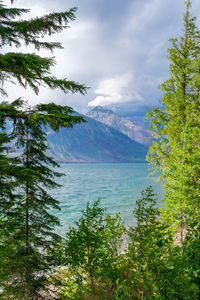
x,y
155,267
28,220
27,236
90,253
149,240
176,128
31,69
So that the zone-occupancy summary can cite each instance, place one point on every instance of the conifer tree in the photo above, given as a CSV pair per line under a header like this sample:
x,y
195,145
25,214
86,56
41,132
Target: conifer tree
x,y
31,69
26,236
176,126
29,221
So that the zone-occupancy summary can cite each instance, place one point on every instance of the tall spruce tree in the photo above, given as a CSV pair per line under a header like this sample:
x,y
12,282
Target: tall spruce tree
x,y
29,222
26,235
176,127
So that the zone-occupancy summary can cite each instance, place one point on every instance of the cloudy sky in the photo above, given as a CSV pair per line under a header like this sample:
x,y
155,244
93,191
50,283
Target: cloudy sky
x,y
116,47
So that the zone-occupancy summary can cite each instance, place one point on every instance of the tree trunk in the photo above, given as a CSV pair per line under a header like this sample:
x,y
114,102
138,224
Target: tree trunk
x,y
27,275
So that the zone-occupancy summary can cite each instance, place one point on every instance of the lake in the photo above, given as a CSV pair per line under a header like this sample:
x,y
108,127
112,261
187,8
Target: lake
x,y
118,186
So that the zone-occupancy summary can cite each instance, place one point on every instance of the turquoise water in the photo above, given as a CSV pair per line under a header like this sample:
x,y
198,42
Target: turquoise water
x,y
118,186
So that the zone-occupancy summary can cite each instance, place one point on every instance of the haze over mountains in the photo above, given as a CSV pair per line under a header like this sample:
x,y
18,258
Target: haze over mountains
x,y
108,117
94,142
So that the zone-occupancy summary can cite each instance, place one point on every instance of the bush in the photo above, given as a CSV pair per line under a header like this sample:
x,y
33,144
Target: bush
x,y
91,254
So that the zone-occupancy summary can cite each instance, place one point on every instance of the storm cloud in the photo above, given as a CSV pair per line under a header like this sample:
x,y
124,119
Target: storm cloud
x,y
117,48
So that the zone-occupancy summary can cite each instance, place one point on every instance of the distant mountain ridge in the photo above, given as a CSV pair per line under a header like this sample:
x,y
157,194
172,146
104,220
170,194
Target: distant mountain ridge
x,y
108,117
90,142
94,142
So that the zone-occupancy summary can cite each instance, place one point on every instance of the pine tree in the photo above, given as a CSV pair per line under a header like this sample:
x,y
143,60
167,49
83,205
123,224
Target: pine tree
x,y
31,69
30,223
27,234
176,126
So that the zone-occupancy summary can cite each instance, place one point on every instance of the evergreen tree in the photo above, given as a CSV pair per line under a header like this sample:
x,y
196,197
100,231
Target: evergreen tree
x,y
29,222
176,127
156,267
31,69
26,235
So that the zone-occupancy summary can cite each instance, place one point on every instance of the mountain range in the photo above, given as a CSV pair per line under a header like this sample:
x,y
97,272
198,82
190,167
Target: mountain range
x,y
94,142
108,117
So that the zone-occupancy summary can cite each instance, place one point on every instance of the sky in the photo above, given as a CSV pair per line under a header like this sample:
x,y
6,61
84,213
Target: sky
x,y
118,48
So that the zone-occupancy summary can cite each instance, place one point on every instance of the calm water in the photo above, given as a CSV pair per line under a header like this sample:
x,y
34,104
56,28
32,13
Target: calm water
x,y
118,186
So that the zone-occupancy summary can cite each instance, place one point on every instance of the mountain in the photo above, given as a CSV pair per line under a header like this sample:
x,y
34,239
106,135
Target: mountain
x,y
94,141
108,117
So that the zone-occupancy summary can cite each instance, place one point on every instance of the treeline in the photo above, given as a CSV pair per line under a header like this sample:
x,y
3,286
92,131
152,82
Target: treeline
x,y
157,264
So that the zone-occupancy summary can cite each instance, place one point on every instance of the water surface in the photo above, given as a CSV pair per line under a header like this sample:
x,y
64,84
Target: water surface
x,y
118,186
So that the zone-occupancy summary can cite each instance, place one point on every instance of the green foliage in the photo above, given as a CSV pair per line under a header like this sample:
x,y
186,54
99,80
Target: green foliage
x,y
31,69
149,241
191,256
27,236
158,265
27,249
176,128
155,267
91,254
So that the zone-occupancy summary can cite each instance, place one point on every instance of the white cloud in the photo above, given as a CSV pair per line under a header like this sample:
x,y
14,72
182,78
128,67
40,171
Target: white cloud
x,y
128,38
115,90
